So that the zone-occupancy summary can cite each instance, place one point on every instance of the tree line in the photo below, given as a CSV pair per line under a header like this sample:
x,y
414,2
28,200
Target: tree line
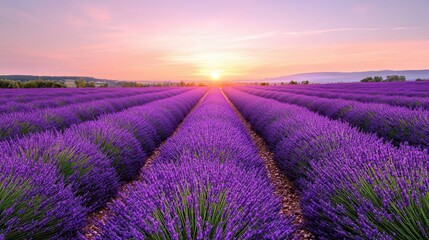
x,y
390,78
39,83
85,83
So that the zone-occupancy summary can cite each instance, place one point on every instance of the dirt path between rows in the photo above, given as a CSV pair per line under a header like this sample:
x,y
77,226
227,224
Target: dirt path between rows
x,y
284,187
102,213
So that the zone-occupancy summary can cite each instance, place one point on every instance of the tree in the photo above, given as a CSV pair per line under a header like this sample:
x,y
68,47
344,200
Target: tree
x,y
80,83
305,82
395,78
293,82
39,83
378,79
367,79
128,84
5,83
90,84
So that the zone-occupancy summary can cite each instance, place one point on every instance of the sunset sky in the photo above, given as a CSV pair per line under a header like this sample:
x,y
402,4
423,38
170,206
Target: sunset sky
x,y
199,40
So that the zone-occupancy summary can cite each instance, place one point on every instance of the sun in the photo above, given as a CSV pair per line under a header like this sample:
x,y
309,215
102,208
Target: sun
x,y
215,75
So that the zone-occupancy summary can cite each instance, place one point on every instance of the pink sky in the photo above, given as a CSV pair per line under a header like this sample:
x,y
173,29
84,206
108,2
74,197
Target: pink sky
x,y
192,40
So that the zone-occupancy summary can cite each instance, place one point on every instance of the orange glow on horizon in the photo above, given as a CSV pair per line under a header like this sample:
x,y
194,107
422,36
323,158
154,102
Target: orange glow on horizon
x,y
211,40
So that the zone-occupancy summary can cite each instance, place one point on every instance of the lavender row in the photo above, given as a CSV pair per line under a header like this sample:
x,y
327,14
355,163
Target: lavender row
x,y
382,92
73,99
376,91
51,181
397,124
400,101
32,94
404,87
207,183
353,185
20,124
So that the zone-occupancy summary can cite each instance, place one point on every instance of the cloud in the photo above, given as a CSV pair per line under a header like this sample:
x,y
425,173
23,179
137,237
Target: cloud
x,y
322,31
265,35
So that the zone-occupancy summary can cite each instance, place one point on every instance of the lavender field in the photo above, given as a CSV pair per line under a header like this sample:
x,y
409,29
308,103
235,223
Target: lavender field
x,y
318,161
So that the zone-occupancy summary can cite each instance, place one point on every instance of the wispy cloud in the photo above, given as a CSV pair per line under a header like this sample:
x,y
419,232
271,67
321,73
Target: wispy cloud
x,y
322,31
273,34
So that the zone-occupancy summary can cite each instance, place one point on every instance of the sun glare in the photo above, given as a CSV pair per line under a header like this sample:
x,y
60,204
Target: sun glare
x,y
215,75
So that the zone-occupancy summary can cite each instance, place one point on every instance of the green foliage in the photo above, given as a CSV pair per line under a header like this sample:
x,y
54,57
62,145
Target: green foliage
x,y
39,83
378,79
395,78
208,211
409,220
66,163
367,79
12,198
82,83
373,79
129,84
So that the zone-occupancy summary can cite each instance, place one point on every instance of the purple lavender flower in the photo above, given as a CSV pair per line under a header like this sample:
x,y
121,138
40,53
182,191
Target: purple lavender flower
x,y
35,203
121,148
78,162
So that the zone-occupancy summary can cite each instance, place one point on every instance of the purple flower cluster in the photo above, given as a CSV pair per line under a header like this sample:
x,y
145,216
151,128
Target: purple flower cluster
x,y
79,162
81,167
31,95
400,125
35,203
29,103
17,124
207,183
120,147
398,100
406,89
353,185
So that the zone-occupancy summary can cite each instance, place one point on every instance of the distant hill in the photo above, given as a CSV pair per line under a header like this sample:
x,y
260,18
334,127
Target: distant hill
x,y
334,77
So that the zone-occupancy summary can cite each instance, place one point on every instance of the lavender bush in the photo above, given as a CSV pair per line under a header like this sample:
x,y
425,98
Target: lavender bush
x,y
353,185
396,124
18,124
79,162
35,203
198,200
121,148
